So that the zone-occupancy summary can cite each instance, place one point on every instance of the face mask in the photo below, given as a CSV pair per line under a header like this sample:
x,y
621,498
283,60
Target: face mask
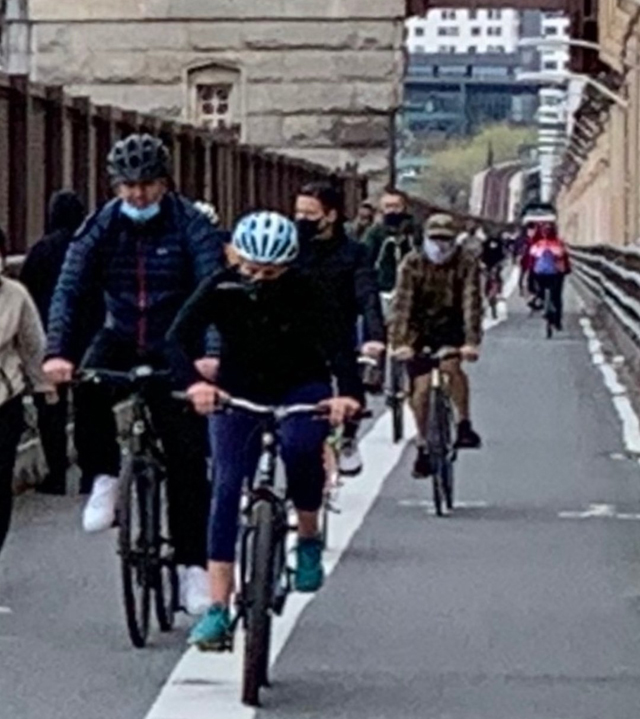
x,y
394,219
308,229
140,215
438,251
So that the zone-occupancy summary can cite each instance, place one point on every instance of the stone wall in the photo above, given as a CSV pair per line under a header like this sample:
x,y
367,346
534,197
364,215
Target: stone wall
x,y
317,79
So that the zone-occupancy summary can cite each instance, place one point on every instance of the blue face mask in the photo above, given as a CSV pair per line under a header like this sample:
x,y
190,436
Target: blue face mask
x,y
140,215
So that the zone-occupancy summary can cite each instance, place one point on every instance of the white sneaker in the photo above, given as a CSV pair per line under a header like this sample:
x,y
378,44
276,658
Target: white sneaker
x,y
350,459
194,590
100,511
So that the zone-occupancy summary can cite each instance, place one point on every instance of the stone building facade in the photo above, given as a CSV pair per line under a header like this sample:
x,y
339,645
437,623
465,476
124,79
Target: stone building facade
x,y
320,80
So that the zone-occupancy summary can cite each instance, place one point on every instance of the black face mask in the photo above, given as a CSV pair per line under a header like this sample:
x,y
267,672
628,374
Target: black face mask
x,y
308,229
394,219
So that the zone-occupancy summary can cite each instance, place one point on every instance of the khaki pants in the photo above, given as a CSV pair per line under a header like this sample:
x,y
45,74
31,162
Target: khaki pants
x,y
458,385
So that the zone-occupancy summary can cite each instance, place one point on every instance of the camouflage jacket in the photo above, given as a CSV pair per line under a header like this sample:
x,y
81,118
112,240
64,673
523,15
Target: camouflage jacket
x,y
437,305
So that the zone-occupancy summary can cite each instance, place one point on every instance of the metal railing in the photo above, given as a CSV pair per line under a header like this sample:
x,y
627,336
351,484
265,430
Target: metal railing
x,y
611,276
49,140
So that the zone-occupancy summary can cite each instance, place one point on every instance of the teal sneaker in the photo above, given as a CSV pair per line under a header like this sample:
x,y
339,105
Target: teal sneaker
x,y
309,570
213,632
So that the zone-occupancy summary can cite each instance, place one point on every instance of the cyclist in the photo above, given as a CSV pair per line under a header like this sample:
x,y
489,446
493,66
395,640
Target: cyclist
x,y
392,238
339,267
22,343
146,251
279,347
364,220
492,258
548,261
438,304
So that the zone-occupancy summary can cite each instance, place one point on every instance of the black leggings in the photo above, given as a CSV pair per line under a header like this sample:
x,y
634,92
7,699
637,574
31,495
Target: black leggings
x,y
11,428
555,285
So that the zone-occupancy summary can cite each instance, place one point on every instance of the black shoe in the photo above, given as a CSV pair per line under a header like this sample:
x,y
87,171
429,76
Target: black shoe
x,y
422,464
467,437
52,486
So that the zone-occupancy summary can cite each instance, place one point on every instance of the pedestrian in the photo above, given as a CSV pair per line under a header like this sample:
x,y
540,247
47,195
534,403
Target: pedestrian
x,y
22,344
40,275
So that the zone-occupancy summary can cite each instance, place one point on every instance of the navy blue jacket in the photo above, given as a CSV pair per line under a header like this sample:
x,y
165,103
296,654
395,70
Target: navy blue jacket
x,y
146,272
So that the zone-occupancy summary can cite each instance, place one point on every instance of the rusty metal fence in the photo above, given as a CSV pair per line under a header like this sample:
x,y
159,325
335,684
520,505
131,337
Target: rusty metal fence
x,y
49,141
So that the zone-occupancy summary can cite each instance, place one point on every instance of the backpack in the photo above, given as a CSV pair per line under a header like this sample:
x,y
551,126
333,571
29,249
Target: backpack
x,y
546,263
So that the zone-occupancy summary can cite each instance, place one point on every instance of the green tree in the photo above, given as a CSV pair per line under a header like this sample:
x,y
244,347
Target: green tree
x,y
451,170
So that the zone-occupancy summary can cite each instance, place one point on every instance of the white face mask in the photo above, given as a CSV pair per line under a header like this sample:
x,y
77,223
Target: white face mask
x,y
438,251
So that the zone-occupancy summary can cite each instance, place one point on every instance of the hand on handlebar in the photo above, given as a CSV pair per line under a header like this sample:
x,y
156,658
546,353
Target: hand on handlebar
x,y
205,397
403,353
340,409
58,370
470,353
372,349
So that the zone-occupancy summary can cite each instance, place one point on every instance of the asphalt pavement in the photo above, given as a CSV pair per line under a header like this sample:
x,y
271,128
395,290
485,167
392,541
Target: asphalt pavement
x,y
523,605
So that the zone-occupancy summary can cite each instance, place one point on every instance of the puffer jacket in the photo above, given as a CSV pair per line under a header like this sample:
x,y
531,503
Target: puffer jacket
x,y
146,272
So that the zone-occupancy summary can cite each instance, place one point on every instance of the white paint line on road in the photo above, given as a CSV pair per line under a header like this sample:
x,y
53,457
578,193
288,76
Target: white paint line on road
x,y
206,686
620,397
6,610
599,511
428,504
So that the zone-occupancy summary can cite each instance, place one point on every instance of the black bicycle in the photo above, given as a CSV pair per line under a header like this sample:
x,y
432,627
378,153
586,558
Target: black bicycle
x,y
148,568
440,430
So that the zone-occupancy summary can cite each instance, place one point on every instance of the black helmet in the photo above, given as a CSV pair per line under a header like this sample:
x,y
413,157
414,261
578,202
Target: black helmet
x,y
138,158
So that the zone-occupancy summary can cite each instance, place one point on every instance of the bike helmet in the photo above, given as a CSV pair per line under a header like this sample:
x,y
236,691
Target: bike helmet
x,y
139,158
266,238
209,211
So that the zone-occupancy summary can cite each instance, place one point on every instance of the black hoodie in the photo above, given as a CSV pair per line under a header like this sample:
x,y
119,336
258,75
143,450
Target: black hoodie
x,y
43,264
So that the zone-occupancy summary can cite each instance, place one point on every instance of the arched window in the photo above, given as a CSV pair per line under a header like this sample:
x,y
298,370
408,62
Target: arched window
x,y
215,96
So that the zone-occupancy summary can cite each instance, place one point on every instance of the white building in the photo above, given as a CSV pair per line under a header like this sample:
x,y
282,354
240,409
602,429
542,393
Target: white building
x,y
464,31
555,26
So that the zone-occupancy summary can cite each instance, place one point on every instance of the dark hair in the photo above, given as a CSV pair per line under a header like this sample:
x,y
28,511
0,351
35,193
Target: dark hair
x,y
392,190
326,194
366,205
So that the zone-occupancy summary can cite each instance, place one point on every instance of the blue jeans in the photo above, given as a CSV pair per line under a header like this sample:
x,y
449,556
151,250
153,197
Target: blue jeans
x,y
235,443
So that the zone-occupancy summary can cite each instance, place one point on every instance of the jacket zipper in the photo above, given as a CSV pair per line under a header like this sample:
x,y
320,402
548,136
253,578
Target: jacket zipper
x,y
141,273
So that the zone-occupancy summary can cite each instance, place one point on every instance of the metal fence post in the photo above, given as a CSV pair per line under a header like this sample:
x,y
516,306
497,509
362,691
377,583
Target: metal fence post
x,y
18,162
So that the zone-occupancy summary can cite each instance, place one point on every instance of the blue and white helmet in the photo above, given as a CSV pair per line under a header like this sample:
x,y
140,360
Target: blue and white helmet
x,y
266,238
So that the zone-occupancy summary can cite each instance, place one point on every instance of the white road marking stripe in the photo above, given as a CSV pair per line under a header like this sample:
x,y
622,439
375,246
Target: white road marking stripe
x,y
207,686
619,395
203,686
6,610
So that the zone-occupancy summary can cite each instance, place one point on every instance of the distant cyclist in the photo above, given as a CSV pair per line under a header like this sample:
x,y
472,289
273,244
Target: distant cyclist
x,y
389,240
549,263
492,258
357,230
438,304
279,347
146,251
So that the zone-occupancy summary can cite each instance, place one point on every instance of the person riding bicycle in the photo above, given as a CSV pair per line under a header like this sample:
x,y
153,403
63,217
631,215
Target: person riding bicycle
x,y
340,269
146,251
548,262
391,239
438,304
492,258
278,347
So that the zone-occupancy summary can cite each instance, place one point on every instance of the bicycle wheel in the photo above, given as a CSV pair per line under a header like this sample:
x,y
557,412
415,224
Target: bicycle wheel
x,y
397,404
138,521
549,312
166,592
258,603
493,305
440,443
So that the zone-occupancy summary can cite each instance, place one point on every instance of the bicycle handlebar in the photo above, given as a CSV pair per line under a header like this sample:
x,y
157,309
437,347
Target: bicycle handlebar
x,y
280,413
136,376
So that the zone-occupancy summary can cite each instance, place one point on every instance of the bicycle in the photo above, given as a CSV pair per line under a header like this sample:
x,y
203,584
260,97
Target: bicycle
x,y
396,393
148,568
440,430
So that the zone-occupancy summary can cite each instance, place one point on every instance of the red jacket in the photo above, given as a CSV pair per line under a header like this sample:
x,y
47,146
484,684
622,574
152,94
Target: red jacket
x,y
554,245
